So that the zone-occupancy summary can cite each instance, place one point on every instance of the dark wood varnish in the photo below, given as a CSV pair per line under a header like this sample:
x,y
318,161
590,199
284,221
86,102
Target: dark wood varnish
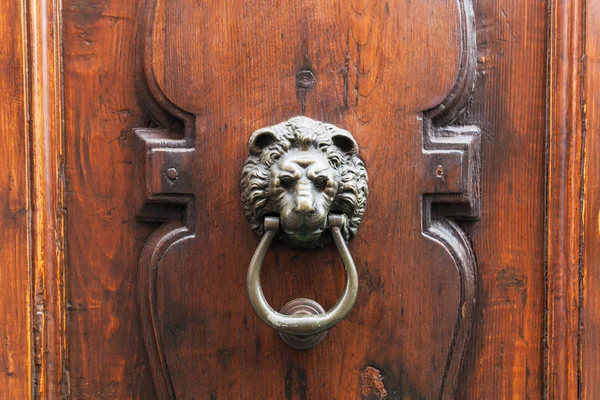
x,y
106,356
181,258
15,298
125,247
564,174
508,240
448,170
589,352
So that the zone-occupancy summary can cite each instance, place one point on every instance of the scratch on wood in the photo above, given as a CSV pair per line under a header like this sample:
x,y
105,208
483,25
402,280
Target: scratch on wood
x,y
371,384
357,67
344,70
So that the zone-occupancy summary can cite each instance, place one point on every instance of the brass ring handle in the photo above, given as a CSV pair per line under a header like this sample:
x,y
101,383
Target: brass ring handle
x,y
302,325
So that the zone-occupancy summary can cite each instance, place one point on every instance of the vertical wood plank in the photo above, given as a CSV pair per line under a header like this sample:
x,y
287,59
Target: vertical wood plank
x,y
15,265
590,334
107,359
563,198
505,360
45,78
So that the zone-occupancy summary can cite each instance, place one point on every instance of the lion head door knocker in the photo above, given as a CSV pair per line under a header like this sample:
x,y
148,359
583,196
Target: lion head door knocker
x,y
304,184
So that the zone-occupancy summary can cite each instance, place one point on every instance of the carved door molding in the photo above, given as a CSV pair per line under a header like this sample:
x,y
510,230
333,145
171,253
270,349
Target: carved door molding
x,y
449,171
125,248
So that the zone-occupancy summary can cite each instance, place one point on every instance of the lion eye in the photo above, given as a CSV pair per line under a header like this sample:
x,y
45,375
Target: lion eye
x,y
320,181
286,181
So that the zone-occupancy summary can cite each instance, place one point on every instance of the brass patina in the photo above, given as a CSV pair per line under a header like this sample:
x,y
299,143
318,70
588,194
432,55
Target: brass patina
x,y
304,184
303,170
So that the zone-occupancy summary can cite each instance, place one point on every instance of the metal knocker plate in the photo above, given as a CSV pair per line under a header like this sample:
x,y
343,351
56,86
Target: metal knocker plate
x,y
303,184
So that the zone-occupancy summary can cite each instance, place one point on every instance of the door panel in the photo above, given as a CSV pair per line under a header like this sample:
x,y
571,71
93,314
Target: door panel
x,y
213,72
477,255
417,269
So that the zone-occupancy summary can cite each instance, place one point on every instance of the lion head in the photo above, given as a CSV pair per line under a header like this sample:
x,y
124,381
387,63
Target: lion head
x,y
302,170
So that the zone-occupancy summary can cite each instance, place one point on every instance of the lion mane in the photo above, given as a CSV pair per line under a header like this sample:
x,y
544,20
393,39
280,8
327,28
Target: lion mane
x,y
268,145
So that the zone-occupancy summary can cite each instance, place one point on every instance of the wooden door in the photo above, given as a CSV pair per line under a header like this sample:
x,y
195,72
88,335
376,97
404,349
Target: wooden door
x,y
127,242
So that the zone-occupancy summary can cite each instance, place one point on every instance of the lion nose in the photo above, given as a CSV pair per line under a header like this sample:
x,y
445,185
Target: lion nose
x,y
304,205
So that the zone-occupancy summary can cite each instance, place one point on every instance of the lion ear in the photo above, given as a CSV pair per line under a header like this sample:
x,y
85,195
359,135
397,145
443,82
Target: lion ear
x,y
344,141
261,139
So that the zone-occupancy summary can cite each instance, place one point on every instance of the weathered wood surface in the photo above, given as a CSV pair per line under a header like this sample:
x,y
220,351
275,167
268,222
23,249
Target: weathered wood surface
x,y
16,358
240,66
260,71
106,356
507,349
590,263
564,176
47,194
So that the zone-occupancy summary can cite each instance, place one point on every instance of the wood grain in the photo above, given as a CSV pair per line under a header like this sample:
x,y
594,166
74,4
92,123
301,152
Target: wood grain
x,y
505,360
106,355
564,176
69,318
16,363
178,331
236,67
47,152
590,332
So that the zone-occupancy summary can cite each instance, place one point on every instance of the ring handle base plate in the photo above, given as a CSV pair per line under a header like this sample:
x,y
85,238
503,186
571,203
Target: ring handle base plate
x,y
300,307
